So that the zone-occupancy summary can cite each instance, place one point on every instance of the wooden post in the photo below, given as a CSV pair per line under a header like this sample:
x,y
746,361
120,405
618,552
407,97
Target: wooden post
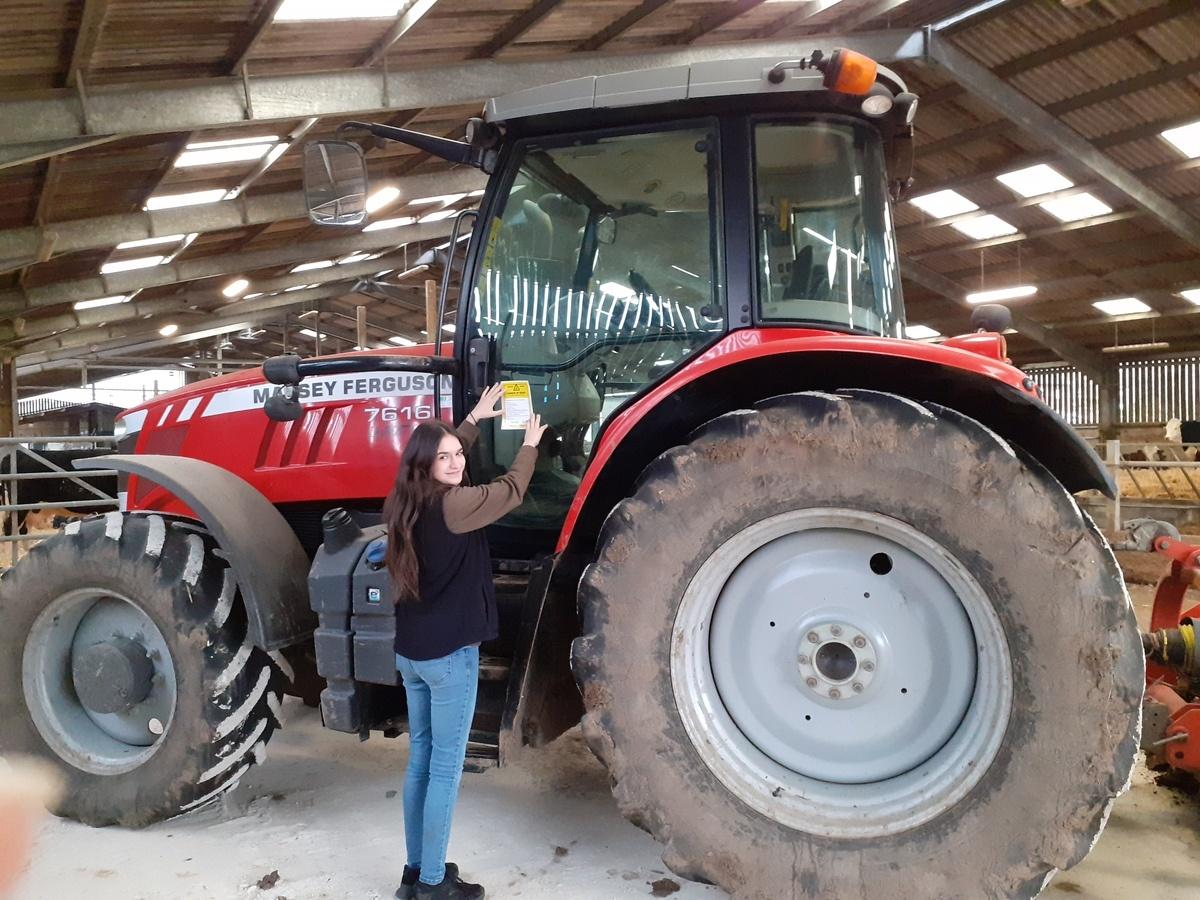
x,y
361,315
431,309
1110,403
8,397
1113,458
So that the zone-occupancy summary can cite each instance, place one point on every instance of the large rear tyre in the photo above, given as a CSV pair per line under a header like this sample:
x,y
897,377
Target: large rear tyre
x,y
854,646
125,661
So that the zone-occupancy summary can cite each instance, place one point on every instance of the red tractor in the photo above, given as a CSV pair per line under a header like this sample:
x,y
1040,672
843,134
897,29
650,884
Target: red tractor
x,y
821,595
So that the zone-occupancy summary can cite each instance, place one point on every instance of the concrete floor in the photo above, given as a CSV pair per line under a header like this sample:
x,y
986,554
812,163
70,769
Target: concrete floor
x,y
324,814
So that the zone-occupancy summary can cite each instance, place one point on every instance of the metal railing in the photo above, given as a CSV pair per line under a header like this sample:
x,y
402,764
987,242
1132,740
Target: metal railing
x,y
1151,390
13,449
1175,479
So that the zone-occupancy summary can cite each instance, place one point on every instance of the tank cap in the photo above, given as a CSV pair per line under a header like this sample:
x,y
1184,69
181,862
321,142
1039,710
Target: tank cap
x,y
377,554
340,529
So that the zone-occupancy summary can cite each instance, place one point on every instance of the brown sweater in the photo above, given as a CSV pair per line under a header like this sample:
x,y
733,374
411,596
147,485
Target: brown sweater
x,y
468,508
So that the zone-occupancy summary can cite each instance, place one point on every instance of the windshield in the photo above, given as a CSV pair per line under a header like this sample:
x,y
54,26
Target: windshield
x,y
826,246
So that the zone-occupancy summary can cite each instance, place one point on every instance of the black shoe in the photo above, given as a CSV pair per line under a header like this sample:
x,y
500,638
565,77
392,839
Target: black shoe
x,y
450,889
408,884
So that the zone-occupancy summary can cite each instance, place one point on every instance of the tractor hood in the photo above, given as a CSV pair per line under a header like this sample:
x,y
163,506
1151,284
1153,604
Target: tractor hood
x,y
345,447
188,399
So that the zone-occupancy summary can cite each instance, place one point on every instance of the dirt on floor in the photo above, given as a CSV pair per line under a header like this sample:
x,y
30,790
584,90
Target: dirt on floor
x,y
322,821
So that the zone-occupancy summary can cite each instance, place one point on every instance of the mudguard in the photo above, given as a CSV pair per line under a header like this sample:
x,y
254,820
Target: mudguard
x,y
270,565
749,366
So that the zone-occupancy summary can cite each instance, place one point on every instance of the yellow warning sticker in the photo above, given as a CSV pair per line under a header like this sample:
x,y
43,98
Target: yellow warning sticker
x,y
516,405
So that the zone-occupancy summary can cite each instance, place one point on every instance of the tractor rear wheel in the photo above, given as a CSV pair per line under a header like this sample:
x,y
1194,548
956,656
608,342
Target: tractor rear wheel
x,y
125,661
849,645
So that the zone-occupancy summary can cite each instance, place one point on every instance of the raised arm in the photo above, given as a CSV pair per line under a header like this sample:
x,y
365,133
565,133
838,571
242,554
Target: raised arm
x,y
470,508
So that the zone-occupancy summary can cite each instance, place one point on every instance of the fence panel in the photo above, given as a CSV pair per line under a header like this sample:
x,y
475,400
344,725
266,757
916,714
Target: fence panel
x,y
93,500
1152,391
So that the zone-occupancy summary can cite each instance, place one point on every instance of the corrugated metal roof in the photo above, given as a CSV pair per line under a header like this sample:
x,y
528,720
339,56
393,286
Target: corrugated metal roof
x,y
1058,56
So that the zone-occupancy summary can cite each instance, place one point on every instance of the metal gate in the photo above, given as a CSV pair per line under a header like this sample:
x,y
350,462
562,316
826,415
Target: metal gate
x,y
1152,391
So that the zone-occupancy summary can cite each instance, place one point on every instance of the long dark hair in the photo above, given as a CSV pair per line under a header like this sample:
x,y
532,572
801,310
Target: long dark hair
x,y
414,490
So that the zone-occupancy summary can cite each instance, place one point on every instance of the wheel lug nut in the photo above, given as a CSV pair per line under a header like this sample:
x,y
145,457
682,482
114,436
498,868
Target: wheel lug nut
x,y
836,631
803,660
814,638
810,681
835,694
860,642
868,666
858,688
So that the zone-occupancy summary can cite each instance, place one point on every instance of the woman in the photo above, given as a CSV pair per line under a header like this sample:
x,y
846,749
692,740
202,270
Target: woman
x,y
441,572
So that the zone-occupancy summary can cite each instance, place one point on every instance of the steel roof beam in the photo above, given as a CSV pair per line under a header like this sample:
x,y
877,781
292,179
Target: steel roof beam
x,y
1166,74
138,308
13,302
1035,120
1122,28
253,35
91,23
20,153
405,22
515,28
119,336
135,109
23,245
803,14
1087,361
621,25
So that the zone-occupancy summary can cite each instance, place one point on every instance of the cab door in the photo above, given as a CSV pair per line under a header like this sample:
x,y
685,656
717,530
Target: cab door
x,y
600,271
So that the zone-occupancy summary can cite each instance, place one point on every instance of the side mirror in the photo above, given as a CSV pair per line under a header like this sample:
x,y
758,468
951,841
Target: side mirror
x,y
991,317
335,183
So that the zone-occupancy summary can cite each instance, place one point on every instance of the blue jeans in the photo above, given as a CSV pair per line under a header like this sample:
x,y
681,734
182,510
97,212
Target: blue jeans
x,y
441,703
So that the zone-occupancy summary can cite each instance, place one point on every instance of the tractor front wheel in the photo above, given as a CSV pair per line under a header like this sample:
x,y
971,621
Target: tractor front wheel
x,y
125,661
849,645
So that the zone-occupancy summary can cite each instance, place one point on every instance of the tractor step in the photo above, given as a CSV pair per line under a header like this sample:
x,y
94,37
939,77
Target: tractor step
x,y
493,668
483,751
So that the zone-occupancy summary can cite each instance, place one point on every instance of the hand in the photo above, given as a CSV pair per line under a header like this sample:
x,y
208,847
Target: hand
x,y
534,429
487,407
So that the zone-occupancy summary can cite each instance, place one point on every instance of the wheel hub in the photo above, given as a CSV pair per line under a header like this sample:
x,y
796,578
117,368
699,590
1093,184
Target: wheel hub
x,y
112,676
99,680
836,661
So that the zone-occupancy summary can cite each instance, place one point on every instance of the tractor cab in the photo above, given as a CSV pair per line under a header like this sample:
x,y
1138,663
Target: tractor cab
x,y
632,221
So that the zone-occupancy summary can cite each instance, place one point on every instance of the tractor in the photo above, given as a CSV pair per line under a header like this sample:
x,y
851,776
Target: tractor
x,y
820,595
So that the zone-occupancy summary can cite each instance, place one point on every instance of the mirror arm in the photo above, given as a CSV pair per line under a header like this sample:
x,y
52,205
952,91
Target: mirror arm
x,y
443,148
291,369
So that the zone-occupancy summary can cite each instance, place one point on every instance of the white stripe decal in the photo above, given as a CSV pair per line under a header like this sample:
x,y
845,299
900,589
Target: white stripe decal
x,y
234,669
239,715
225,601
156,535
284,666
112,525
276,704
166,412
133,421
241,750
353,386
188,409
212,795
195,559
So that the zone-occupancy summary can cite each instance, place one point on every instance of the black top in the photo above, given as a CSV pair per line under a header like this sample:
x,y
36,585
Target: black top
x,y
457,605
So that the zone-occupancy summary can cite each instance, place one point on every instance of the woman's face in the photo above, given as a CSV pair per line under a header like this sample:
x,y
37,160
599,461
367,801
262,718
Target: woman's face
x,y
450,461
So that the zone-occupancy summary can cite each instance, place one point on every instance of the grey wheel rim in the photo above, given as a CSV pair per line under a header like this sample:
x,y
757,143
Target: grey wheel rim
x,y
841,672
99,681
